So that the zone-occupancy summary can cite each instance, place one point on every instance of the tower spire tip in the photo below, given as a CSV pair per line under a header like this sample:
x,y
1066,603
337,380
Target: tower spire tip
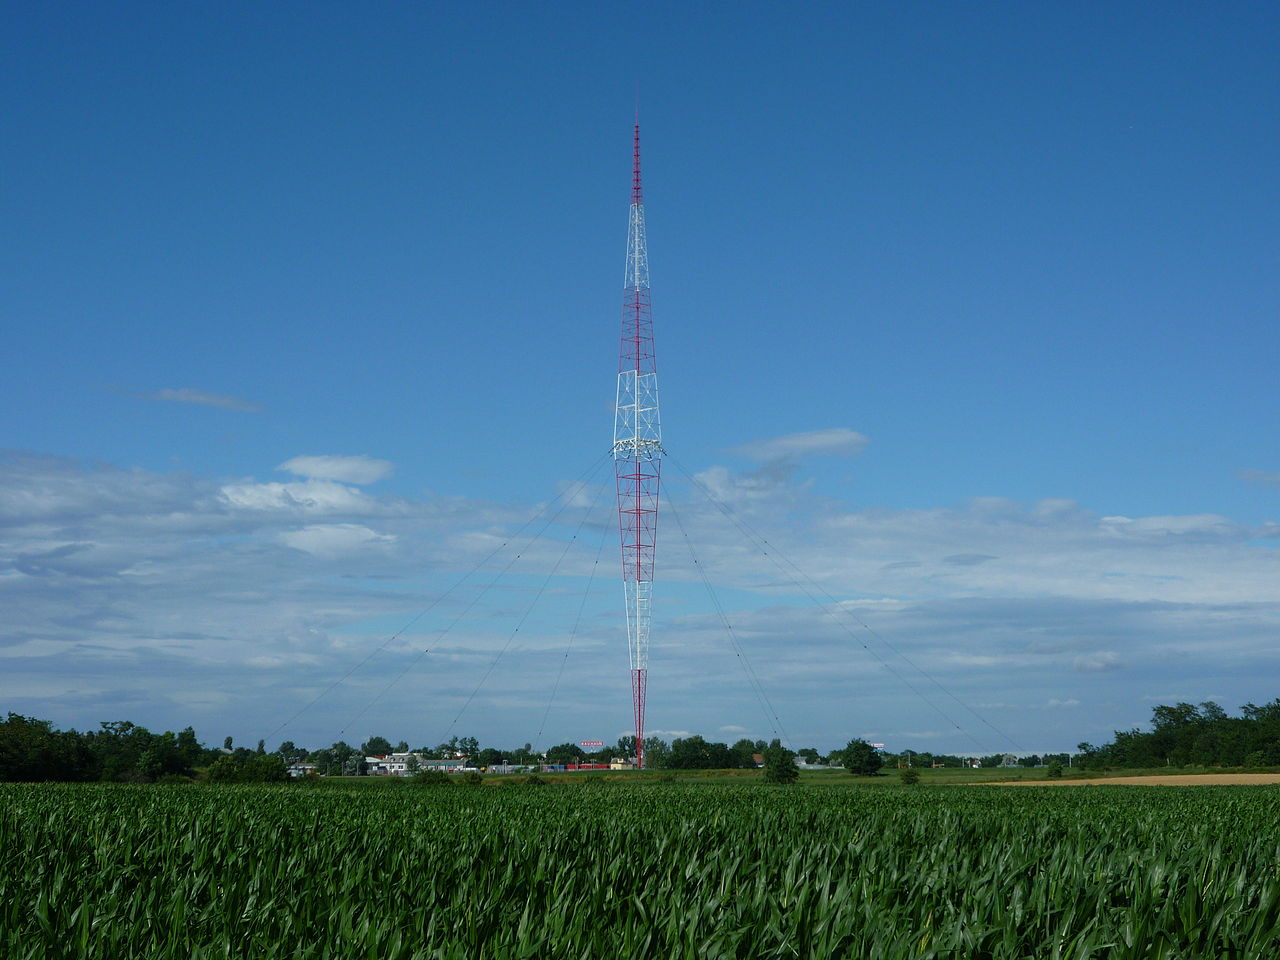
x,y
637,195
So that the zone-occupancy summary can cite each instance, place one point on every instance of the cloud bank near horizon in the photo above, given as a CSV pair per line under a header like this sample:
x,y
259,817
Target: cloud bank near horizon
x,y
170,598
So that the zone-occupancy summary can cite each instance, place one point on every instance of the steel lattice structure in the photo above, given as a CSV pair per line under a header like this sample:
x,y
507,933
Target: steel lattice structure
x,y
637,450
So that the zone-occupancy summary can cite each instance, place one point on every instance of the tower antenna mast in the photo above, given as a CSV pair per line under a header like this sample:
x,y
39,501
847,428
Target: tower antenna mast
x,y
637,448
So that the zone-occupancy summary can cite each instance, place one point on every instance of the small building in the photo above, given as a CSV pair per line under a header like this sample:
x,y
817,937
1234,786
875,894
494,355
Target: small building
x,y
407,764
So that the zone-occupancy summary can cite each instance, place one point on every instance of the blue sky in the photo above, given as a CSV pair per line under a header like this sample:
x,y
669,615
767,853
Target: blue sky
x,y
970,311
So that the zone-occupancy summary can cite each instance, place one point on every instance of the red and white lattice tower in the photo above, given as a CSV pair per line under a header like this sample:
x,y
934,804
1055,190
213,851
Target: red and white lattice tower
x,y
637,450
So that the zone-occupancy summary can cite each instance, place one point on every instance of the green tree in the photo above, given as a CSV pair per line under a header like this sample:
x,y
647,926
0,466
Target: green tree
x,y
336,759
861,758
909,776
656,753
226,769
376,747
188,748
523,754
127,752
780,765
602,755
488,757
743,753
696,753
256,768
565,753
31,750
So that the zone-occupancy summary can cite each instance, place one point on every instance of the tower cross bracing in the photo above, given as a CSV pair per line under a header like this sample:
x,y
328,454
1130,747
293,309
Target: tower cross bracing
x,y
637,449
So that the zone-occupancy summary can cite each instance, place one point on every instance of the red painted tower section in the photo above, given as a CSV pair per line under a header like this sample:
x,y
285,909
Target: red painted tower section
x,y
637,449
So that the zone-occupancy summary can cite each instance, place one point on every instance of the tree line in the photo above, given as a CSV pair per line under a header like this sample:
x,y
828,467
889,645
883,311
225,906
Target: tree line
x,y
1185,735
32,750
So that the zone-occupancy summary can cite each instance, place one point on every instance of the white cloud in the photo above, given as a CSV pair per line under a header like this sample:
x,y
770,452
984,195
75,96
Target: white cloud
x,y
307,497
202,398
968,559
1098,662
335,539
833,442
1260,477
359,470
247,596
1210,525
1054,703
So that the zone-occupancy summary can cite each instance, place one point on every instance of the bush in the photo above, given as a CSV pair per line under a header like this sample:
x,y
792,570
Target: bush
x,y
432,778
258,768
471,779
1055,770
909,776
533,780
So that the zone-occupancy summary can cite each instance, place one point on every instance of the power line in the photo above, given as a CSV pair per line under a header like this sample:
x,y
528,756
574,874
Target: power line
x,y
590,471
573,633
753,679
537,596
834,608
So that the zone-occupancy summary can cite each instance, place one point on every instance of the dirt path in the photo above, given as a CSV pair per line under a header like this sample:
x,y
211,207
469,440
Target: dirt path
x,y
1170,780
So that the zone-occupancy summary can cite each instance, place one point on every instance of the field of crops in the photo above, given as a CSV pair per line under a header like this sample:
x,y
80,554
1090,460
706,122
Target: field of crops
x,y
647,870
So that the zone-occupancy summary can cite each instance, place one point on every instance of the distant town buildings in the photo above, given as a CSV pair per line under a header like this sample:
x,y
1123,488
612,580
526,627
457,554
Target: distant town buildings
x,y
412,762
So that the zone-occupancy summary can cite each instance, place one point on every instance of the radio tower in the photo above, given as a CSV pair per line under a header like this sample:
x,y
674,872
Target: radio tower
x,y
637,449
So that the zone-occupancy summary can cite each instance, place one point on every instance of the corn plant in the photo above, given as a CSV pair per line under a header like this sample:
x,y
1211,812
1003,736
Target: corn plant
x,y
647,870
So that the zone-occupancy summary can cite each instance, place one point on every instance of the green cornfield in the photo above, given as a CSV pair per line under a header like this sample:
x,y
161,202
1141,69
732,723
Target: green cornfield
x,y
646,870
